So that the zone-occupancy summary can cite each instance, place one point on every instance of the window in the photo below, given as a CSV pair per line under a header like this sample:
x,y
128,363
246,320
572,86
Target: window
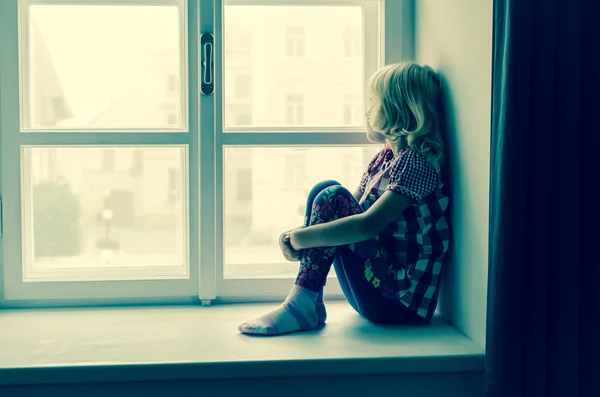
x,y
352,112
173,184
239,115
282,178
137,163
352,166
347,114
352,41
80,221
239,37
294,41
243,119
243,86
133,63
109,160
59,108
171,118
130,185
172,83
294,109
244,184
88,213
295,170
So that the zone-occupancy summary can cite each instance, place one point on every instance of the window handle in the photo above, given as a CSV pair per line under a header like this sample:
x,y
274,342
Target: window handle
x,y
207,85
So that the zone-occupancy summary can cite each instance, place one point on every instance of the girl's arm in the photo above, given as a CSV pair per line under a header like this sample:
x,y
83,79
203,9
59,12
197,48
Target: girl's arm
x,y
357,195
354,228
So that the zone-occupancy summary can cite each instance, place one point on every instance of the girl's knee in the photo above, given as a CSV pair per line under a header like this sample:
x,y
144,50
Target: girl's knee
x,y
322,186
331,192
336,200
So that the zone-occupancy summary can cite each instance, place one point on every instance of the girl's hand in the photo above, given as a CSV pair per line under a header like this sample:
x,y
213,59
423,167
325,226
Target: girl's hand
x,y
286,248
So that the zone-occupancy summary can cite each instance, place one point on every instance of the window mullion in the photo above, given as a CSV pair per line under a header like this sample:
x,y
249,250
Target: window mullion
x,y
208,16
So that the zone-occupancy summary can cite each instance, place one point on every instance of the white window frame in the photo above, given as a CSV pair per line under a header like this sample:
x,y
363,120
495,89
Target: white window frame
x,y
17,135
205,151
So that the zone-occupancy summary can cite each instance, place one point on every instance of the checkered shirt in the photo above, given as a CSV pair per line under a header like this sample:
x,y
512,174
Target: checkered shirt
x,y
421,236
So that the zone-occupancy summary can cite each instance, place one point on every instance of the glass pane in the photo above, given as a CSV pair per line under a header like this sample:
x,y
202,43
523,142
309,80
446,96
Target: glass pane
x,y
292,66
104,207
104,66
265,191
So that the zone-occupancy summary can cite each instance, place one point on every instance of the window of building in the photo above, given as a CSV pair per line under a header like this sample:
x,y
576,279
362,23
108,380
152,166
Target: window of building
x,y
295,170
352,41
173,184
109,160
243,86
172,83
294,41
244,184
352,110
294,109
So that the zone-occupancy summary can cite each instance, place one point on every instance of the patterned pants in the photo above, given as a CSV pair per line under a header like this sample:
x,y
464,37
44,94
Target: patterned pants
x,y
362,269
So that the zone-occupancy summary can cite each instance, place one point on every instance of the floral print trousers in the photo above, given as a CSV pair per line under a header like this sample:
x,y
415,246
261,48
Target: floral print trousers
x,y
327,202
363,269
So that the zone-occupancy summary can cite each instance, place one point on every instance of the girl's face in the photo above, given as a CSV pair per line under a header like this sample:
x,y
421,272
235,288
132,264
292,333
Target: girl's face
x,y
372,135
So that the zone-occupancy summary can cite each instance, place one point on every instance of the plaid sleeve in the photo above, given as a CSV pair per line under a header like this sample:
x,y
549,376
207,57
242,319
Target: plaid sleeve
x,y
413,176
365,177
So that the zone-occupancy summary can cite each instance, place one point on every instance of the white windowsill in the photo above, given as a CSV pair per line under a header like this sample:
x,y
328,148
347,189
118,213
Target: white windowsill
x,y
190,343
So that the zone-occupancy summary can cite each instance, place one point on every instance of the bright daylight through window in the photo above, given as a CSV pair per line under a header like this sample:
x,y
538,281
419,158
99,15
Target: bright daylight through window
x,y
112,187
308,73
90,212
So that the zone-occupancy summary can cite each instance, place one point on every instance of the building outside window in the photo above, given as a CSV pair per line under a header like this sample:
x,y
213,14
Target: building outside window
x,y
294,41
294,109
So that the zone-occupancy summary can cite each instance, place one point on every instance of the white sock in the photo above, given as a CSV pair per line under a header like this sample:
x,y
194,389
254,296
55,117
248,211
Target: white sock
x,y
297,313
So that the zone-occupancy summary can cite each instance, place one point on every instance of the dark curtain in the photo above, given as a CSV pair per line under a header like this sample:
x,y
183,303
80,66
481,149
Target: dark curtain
x,y
543,322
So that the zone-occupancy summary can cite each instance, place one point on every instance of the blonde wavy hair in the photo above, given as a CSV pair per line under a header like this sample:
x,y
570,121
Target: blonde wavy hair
x,y
405,99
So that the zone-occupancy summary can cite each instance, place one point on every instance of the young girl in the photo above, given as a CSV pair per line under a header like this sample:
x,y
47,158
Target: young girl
x,y
388,239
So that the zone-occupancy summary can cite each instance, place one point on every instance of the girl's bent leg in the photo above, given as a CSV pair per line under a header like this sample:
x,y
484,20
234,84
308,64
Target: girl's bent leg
x,y
312,195
314,192
318,188
349,265
330,204
298,312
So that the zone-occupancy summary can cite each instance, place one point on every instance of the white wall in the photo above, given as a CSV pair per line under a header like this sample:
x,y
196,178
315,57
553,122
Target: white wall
x,y
455,37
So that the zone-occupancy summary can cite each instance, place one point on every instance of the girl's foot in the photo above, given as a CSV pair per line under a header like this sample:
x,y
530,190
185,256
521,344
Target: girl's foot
x,y
297,313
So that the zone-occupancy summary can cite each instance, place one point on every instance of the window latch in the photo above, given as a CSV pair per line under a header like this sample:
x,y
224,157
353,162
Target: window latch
x,y
207,85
